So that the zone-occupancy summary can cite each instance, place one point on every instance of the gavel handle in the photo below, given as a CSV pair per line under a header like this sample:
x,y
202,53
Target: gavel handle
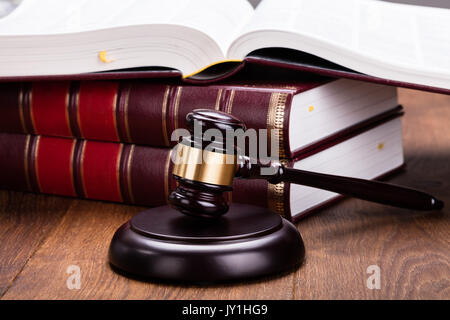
x,y
370,190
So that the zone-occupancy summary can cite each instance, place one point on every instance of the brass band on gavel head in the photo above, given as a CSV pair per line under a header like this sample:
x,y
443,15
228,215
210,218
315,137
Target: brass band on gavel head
x,y
204,166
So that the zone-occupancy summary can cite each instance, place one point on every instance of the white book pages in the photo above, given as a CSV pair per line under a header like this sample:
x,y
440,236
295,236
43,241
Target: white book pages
x,y
51,37
366,156
394,41
335,106
387,40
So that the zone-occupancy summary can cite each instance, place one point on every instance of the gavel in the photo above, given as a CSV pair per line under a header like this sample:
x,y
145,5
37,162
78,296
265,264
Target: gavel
x,y
205,170
208,245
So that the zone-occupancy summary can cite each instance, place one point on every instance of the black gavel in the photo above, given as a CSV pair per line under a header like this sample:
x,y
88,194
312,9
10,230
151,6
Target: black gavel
x,y
205,170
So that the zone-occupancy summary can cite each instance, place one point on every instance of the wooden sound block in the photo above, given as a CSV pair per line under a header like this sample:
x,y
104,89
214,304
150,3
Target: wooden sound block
x,y
247,242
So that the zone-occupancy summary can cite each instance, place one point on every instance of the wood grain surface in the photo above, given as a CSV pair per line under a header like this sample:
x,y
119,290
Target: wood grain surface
x,y
41,236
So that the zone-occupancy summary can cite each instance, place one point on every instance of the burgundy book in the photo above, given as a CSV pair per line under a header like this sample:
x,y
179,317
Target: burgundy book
x,y
140,175
296,111
210,40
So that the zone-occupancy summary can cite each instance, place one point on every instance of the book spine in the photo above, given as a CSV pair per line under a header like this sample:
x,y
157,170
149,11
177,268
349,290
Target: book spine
x,y
107,171
134,112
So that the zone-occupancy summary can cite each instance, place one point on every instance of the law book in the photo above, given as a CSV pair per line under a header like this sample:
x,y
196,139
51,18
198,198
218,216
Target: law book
x,y
141,175
206,40
297,113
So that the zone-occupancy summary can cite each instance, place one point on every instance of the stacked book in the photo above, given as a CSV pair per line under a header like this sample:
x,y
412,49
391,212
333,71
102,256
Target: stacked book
x,y
111,140
83,115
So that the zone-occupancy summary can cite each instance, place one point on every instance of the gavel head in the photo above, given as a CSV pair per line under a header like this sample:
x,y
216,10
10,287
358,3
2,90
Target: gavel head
x,y
205,164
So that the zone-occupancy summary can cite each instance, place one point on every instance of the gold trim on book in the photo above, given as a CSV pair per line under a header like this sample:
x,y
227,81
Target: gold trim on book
x,y
66,109
167,174
30,101
164,116
35,157
26,164
219,96
125,112
77,108
72,155
20,103
204,166
114,114
275,119
230,102
83,186
176,107
119,156
275,197
130,187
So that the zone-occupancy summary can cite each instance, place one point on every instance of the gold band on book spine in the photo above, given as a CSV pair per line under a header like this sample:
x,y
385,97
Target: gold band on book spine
x,y
219,96
66,110
81,166
230,102
130,187
175,108
30,108
26,162
275,197
164,116
77,109
35,157
126,96
118,160
114,114
275,119
20,104
72,155
167,175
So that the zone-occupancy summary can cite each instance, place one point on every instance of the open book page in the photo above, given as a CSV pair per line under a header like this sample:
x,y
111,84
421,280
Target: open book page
x,y
221,21
364,35
64,37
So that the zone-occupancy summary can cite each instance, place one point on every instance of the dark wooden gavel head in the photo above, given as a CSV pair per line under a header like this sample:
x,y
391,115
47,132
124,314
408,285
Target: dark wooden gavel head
x,y
204,168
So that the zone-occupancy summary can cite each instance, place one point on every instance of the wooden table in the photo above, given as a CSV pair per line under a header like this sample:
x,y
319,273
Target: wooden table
x,y
41,236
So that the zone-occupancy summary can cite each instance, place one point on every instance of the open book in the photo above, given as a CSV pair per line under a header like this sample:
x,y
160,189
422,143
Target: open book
x,y
397,42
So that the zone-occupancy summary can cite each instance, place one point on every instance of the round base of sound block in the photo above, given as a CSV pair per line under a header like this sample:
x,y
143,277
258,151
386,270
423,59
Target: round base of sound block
x,y
247,242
